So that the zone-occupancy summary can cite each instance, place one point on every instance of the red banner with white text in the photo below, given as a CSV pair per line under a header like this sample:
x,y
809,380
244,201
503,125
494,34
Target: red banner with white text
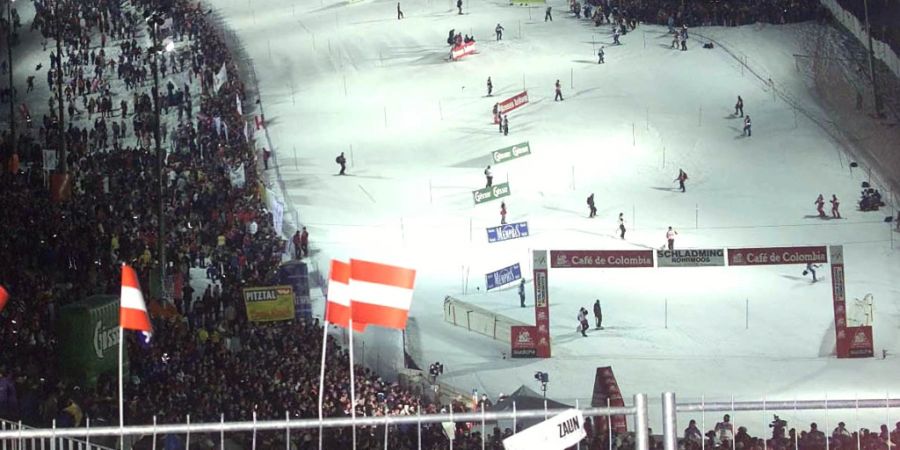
x,y
776,255
607,393
600,259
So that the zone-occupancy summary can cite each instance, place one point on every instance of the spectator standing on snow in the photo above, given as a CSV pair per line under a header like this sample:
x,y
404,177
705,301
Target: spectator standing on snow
x,y
739,107
681,178
488,177
498,30
304,242
600,55
835,214
547,15
590,203
522,293
820,206
598,314
399,12
343,163
622,225
558,96
505,125
616,34
747,131
582,321
670,238
490,87
502,213
459,6
296,241
497,114
266,155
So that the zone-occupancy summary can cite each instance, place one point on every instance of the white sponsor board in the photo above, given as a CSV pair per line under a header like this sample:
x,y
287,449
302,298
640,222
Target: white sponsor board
x,y
556,433
690,257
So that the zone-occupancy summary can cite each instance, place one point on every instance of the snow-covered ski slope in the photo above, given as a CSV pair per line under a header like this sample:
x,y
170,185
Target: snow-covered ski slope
x,y
417,129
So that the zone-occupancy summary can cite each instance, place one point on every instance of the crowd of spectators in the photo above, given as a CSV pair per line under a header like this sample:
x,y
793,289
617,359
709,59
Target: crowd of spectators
x,y
676,13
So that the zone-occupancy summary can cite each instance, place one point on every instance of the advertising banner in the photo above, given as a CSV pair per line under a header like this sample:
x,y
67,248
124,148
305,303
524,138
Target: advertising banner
x,y
269,304
462,50
606,392
523,341
491,193
503,276
507,232
541,303
860,340
776,255
88,333
559,432
520,99
691,258
50,160
601,258
839,300
237,177
510,153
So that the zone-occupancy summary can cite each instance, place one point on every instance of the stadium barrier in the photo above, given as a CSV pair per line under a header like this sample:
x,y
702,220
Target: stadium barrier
x,y
638,410
35,443
479,320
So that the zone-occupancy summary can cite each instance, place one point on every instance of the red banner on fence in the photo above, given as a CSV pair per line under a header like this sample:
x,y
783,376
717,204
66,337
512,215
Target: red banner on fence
x,y
607,393
523,341
513,102
839,300
541,302
601,258
462,50
776,255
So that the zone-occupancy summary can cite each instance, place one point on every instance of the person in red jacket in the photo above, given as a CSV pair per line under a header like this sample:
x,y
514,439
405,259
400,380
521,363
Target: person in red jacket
x,y
820,206
503,213
834,207
304,242
682,177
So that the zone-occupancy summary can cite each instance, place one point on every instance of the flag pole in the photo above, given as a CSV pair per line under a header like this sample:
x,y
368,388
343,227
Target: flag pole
x,y
352,383
322,376
121,388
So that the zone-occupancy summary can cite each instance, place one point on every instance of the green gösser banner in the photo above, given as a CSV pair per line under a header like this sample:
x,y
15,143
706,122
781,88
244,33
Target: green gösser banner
x,y
491,193
510,153
269,304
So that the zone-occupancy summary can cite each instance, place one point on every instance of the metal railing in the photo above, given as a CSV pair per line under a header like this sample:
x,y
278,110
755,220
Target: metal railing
x,y
42,443
638,410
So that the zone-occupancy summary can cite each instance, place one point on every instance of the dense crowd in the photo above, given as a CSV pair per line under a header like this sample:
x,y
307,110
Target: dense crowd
x,y
720,13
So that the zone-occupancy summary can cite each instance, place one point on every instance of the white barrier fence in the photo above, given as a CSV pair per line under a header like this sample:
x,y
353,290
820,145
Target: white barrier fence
x,y
39,443
479,320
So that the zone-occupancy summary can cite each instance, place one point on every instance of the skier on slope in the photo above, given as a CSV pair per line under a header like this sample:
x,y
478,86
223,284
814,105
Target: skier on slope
x,y
582,321
739,107
498,30
600,55
522,293
399,12
488,177
343,163
835,214
459,6
622,225
505,125
670,238
747,131
590,203
811,269
616,34
820,206
558,96
490,87
598,314
681,178
502,213
496,113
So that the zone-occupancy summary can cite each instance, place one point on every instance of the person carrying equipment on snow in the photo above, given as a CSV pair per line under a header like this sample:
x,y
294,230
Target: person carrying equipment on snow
x,y
343,162
498,30
820,206
451,38
681,178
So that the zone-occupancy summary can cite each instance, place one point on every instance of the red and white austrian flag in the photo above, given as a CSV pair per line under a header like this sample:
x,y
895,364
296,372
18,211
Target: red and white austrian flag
x,y
380,294
132,310
4,296
337,306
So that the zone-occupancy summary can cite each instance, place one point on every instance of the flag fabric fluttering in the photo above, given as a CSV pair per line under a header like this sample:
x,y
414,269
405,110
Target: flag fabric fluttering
x,y
4,296
133,311
337,306
380,294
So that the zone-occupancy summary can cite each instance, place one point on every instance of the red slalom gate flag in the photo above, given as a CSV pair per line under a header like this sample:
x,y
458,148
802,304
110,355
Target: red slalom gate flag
x,y
4,296
132,310
337,305
380,294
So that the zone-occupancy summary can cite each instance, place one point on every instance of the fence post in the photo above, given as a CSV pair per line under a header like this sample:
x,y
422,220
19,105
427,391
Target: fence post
x,y
453,433
483,431
641,423
221,433
670,432
287,431
703,421
666,314
515,424
52,438
609,424
747,314
418,426
386,427
153,439
87,437
187,440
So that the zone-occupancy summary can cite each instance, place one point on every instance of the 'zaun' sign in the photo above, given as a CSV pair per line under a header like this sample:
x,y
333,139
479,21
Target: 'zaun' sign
x,y
491,193
509,153
507,232
503,276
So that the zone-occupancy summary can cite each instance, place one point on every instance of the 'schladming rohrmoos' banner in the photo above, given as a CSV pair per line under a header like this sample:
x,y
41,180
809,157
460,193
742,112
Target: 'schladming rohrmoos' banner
x,y
541,302
520,99
507,232
523,341
491,193
601,258
607,393
503,276
269,304
776,255
559,432
690,257
510,153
